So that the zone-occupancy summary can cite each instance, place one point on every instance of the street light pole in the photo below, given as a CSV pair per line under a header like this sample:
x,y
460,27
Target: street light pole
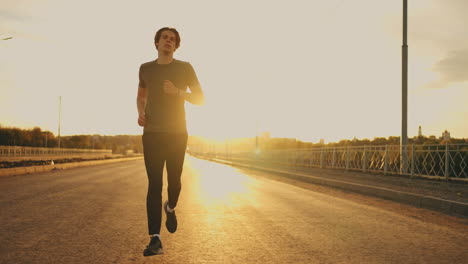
x,y
404,106
256,139
60,116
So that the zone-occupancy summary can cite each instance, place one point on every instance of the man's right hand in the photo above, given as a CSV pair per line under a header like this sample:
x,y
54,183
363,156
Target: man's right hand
x,y
141,120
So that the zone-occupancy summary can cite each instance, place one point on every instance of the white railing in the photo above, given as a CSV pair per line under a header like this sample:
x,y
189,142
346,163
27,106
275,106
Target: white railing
x,y
18,151
443,161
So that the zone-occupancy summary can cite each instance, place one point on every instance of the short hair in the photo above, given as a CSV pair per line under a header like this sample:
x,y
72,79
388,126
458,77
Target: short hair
x,y
159,33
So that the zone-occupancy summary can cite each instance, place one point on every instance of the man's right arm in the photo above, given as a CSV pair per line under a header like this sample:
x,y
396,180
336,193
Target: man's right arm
x,y
141,101
141,98
141,104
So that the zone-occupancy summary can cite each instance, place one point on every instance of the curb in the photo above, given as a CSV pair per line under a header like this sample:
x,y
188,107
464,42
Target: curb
x,y
62,166
427,202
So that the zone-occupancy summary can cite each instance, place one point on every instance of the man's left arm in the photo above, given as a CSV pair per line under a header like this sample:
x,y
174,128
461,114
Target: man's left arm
x,y
196,95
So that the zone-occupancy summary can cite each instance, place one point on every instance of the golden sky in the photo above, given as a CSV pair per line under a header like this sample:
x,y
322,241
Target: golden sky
x,y
306,69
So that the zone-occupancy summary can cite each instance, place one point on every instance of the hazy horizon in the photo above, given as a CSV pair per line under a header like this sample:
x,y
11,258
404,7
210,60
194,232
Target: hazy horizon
x,y
240,138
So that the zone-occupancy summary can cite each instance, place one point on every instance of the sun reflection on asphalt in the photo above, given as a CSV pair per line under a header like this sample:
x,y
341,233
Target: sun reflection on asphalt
x,y
219,184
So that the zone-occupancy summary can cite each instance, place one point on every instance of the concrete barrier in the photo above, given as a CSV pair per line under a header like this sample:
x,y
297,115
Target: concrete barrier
x,y
61,166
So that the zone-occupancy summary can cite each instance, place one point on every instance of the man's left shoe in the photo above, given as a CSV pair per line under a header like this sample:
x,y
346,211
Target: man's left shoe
x,y
154,247
171,219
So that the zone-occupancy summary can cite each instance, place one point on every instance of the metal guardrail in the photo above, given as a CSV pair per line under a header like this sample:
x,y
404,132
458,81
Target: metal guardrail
x,y
447,161
18,151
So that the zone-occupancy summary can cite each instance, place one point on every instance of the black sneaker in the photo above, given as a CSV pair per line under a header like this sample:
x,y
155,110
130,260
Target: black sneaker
x,y
154,247
171,220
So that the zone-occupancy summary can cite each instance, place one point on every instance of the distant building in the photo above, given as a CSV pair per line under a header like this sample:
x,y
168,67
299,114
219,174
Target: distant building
x,y
322,141
420,132
446,135
265,135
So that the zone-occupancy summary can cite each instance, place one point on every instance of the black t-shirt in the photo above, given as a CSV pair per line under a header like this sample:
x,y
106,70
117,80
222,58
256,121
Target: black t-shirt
x,y
166,112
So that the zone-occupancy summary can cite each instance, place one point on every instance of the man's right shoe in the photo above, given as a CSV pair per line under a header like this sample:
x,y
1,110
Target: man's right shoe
x,y
171,219
154,247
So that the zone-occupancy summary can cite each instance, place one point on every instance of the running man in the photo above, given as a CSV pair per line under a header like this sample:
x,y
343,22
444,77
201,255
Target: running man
x,y
162,92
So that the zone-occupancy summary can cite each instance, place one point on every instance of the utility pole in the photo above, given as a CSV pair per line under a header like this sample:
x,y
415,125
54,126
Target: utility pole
x,y
256,139
60,116
404,95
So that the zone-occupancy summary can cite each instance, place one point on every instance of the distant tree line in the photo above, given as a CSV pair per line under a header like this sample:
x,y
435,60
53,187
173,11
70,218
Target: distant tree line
x,y
378,141
122,143
247,144
27,137
418,140
37,138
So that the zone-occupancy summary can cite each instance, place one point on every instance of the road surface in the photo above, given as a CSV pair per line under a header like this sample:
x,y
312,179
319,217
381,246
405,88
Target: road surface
x,y
98,215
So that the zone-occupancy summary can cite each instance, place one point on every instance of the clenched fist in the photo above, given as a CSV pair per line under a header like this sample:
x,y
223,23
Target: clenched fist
x,y
169,87
141,120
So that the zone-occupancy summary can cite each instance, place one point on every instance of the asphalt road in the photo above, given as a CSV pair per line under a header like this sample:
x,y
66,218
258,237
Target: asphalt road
x,y
98,215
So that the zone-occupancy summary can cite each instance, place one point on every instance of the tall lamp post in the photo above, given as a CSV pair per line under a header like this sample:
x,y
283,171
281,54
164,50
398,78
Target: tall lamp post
x,y
257,150
404,95
60,116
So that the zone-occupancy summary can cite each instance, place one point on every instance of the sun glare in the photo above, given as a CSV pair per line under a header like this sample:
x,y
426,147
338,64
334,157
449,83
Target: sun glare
x,y
221,185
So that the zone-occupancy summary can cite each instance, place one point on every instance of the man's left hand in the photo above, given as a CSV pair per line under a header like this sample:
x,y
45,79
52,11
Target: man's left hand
x,y
170,88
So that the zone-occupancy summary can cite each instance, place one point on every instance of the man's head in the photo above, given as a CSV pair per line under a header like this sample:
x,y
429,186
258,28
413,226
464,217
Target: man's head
x,y
167,39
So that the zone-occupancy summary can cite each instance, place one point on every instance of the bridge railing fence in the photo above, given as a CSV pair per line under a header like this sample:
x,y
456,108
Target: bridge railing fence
x,y
449,161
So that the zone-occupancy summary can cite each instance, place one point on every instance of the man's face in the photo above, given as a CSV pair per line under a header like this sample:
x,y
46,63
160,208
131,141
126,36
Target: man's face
x,y
167,42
